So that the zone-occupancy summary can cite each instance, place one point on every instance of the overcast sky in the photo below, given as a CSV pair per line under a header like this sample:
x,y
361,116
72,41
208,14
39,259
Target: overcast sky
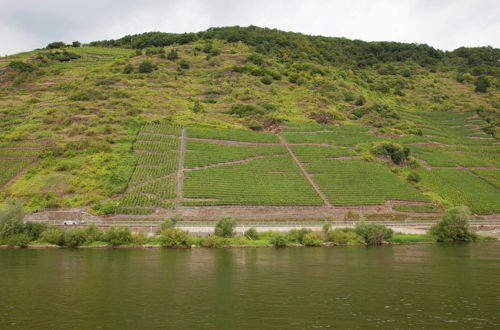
x,y
444,24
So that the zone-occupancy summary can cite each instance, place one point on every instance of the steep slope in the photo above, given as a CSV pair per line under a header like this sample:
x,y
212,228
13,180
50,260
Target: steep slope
x,y
73,113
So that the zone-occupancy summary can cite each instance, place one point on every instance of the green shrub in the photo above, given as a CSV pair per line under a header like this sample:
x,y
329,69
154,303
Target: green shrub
x,y
129,68
312,239
397,152
174,237
344,236
453,226
197,107
267,80
21,66
413,177
53,236
118,236
92,233
183,64
168,223
35,229
139,238
147,67
106,208
172,55
213,241
482,83
251,234
11,227
225,227
56,45
373,233
278,240
73,237
21,240
297,235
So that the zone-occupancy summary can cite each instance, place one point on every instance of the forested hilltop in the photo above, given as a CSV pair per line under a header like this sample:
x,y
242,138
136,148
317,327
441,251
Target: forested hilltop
x,y
321,119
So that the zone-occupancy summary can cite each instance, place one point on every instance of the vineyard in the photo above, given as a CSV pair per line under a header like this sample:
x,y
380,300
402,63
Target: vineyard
x,y
274,180
153,183
232,135
16,156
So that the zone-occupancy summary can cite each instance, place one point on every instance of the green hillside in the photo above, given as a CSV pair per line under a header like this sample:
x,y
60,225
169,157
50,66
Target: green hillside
x,y
249,116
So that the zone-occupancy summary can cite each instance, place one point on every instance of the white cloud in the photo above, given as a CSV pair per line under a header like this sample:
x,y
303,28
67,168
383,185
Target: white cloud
x,y
444,24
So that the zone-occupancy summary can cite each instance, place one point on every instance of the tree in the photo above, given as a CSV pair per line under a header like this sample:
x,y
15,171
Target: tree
x,y
453,226
56,45
128,69
225,227
175,237
183,64
482,83
76,44
146,67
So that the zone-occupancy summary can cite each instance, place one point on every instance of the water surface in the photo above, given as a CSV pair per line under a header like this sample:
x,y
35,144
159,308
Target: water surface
x,y
397,287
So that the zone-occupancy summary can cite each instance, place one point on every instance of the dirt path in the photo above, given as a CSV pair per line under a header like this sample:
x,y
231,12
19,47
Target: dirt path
x,y
306,174
180,170
234,143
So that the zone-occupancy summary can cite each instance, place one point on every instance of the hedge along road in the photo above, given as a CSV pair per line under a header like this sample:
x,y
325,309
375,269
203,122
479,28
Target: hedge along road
x,y
207,227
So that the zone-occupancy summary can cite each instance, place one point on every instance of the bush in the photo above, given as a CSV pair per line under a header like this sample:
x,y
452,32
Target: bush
x,y
344,236
56,45
183,64
213,241
297,235
35,229
53,236
73,237
225,227
147,67
174,237
453,226
251,234
21,240
373,233
168,223
197,107
92,233
128,69
278,240
106,208
172,55
482,83
413,177
267,80
118,236
397,152
312,239
21,66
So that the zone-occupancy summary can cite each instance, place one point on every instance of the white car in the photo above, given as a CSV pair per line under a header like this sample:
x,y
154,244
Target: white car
x,y
70,223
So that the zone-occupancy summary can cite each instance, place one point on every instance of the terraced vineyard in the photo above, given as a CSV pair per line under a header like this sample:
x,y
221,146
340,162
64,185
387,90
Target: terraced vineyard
x,y
16,156
237,167
153,183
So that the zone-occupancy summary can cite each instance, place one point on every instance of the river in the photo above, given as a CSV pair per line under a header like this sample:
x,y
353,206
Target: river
x,y
433,286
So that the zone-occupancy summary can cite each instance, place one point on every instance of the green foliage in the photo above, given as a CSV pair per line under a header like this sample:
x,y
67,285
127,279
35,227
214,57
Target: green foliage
x,y
106,208
213,241
266,80
21,66
454,226
251,234
53,236
168,223
92,233
278,240
56,45
118,236
147,66
344,236
481,83
183,64
397,152
197,107
312,239
174,237
232,134
172,54
373,233
225,227
74,237
413,177
297,235
129,68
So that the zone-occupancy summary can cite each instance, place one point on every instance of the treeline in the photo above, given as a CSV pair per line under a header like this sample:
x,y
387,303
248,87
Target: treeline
x,y
290,46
